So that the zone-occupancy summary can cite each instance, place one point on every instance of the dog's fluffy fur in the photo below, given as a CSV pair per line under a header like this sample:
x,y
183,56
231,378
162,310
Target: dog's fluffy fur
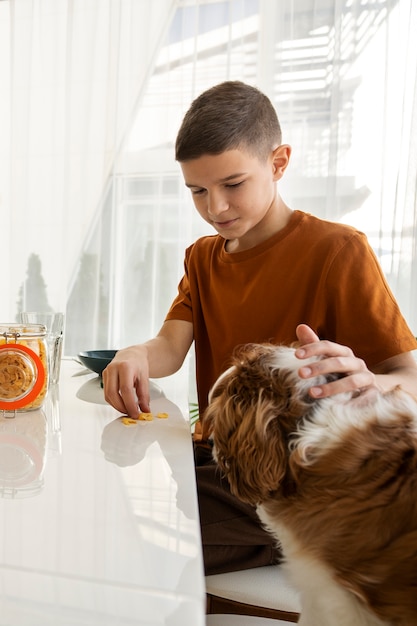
x,y
335,480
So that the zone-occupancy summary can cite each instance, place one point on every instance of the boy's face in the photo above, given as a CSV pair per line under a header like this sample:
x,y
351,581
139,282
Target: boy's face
x,y
235,192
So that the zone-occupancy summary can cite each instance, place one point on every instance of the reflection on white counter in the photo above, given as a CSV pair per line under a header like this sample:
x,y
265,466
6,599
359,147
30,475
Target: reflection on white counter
x,y
111,536
22,454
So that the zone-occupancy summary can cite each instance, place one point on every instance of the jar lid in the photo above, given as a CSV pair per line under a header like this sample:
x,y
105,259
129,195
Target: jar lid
x,y
22,376
25,331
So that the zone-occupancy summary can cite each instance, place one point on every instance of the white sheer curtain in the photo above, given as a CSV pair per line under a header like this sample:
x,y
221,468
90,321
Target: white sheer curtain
x,y
71,73
95,216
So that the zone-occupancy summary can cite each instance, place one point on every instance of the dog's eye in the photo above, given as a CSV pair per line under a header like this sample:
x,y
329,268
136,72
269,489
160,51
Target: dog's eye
x,y
330,378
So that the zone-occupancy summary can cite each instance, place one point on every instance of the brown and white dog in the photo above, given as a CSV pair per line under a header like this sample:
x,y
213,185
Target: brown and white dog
x,y
335,480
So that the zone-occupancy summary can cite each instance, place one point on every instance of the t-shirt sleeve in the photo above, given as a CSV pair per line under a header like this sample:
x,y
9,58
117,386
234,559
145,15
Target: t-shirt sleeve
x,y
363,313
181,308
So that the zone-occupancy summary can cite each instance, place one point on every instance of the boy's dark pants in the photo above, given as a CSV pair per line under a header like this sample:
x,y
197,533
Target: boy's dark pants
x,y
232,536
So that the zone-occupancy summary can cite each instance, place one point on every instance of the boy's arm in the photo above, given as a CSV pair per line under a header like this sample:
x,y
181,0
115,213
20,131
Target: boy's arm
x,y
399,370
126,378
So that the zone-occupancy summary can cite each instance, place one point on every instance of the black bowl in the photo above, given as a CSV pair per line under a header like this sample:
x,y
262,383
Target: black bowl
x,y
96,360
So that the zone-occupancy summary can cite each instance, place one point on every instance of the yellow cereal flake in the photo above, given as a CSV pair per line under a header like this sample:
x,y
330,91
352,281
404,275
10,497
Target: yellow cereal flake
x,y
128,421
162,416
145,417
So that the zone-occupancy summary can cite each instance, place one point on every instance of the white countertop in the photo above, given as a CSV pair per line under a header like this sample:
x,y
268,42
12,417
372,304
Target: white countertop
x,y
98,520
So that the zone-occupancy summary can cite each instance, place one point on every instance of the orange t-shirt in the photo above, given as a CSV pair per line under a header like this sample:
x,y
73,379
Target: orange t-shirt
x,y
313,271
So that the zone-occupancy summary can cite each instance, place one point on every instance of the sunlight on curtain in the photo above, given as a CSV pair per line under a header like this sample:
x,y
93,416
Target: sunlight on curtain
x,y
88,182
383,151
343,79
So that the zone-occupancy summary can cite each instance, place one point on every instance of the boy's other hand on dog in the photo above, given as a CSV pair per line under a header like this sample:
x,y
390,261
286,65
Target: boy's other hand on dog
x,y
352,371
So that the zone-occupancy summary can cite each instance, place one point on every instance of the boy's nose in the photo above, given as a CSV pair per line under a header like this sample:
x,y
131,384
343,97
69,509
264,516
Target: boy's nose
x,y
216,205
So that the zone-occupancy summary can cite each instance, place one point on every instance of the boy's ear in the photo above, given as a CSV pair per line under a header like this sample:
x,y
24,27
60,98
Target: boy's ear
x,y
280,159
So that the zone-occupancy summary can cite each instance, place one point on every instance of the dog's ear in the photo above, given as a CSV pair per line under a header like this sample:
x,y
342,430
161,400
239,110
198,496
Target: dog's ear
x,y
253,411
251,449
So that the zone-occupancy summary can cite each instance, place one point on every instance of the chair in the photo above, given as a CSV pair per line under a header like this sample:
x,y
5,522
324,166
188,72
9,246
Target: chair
x,y
242,620
260,592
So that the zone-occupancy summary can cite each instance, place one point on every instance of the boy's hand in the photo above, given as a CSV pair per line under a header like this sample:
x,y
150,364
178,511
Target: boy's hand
x,y
126,382
337,360
126,378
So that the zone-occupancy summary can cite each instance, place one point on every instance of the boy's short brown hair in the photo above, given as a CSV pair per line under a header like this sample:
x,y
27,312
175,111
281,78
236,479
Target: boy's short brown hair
x,y
228,116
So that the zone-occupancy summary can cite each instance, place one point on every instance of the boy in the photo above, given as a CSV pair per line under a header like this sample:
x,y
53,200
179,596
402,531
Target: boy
x,y
270,274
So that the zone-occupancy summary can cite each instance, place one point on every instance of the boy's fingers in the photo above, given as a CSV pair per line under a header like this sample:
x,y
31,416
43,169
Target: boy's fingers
x,y
143,395
305,334
123,393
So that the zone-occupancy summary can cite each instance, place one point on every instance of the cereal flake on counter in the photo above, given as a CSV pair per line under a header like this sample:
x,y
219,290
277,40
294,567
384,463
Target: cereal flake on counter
x,y
128,421
145,417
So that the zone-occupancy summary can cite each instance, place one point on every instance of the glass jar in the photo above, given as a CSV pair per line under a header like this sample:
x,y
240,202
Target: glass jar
x,y
23,367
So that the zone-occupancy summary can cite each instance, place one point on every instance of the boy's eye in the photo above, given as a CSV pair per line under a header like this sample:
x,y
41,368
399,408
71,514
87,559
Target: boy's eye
x,y
199,191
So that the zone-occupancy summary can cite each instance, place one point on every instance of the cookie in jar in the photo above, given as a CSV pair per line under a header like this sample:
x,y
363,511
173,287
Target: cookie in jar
x,y
23,367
